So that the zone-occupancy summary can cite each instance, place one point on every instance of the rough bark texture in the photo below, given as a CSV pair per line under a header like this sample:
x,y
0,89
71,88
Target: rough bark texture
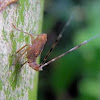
x,y
18,83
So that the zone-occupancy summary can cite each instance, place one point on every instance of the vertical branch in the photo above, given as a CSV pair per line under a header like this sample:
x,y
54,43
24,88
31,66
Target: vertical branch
x,y
19,83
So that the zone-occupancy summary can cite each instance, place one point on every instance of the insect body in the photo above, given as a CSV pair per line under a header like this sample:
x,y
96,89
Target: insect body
x,y
33,50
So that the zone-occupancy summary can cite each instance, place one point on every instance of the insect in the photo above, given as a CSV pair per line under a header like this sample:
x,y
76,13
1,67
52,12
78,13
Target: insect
x,y
36,47
34,50
5,3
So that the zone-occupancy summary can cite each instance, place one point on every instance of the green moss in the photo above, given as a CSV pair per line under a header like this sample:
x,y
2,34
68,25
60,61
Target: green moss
x,y
22,7
41,15
33,92
10,59
11,56
4,35
7,92
5,14
27,39
15,77
22,93
14,45
1,85
27,4
21,37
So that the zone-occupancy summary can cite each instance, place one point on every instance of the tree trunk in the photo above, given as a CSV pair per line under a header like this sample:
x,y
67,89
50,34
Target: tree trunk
x,y
19,83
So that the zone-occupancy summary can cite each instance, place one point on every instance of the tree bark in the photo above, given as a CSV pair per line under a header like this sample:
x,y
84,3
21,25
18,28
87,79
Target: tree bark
x,y
19,83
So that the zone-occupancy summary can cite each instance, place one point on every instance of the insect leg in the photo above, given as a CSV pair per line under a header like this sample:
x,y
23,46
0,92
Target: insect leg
x,y
31,35
24,63
72,49
58,38
21,48
17,59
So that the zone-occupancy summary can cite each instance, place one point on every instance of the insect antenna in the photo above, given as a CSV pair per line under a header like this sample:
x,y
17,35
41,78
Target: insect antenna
x,y
72,49
31,35
58,38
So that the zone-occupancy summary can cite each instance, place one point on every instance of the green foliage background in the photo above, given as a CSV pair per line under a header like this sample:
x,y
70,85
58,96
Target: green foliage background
x,y
77,75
